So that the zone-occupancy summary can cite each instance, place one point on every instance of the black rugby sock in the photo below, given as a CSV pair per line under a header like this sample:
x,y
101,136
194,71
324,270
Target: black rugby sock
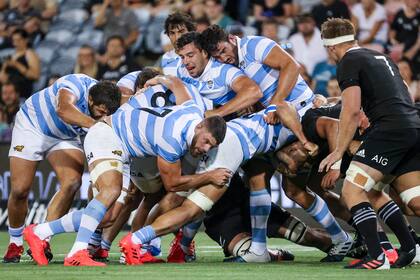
x,y
393,218
365,219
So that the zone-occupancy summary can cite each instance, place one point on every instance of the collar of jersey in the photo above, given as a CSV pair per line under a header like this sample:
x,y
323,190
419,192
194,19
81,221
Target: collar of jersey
x,y
353,48
206,69
241,59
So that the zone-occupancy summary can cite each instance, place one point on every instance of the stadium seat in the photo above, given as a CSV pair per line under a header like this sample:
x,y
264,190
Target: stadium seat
x,y
6,52
64,37
70,51
62,66
92,38
73,4
59,25
46,52
77,16
41,83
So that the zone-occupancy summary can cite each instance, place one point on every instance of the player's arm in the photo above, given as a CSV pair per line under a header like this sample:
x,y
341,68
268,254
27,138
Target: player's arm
x,y
247,93
349,120
68,112
172,83
174,181
280,60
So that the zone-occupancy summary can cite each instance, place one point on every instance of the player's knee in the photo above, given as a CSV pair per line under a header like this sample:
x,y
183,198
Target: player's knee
x,y
71,185
20,191
411,198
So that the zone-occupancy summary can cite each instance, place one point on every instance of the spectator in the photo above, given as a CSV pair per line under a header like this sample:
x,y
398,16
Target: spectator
x,y
215,13
86,62
20,13
307,45
5,129
116,19
369,18
202,24
330,9
116,63
323,72
10,98
269,29
404,32
278,10
333,88
33,27
46,8
24,67
407,75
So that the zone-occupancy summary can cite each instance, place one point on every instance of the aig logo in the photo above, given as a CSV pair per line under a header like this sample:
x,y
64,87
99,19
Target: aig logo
x,y
381,160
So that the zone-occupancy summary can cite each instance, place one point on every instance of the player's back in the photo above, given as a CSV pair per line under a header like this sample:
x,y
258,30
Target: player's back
x,y
256,136
385,98
147,131
41,107
129,80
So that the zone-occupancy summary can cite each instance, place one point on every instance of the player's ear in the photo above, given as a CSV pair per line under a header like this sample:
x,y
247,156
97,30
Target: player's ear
x,y
232,39
90,100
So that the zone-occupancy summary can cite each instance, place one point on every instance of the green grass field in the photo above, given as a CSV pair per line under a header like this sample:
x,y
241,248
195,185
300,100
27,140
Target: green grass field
x,y
208,266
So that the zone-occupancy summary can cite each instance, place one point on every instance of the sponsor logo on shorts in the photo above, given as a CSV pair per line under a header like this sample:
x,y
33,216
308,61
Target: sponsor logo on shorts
x,y
114,163
18,148
361,153
117,152
381,160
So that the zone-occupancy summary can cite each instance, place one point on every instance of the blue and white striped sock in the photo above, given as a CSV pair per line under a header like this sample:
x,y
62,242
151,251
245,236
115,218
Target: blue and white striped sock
x,y
320,212
16,235
106,245
260,207
188,233
96,238
92,216
68,223
143,235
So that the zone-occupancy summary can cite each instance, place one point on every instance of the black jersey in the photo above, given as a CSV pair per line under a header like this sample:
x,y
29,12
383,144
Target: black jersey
x,y
385,98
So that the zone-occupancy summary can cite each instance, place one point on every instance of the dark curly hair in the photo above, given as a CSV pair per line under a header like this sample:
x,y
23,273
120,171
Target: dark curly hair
x,y
211,37
178,19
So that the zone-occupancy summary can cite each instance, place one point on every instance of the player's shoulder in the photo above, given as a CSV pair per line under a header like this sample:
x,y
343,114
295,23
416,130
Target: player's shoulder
x,y
169,57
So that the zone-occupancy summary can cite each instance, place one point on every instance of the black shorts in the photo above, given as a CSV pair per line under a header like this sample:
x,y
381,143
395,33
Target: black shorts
x,y
390,151
223,229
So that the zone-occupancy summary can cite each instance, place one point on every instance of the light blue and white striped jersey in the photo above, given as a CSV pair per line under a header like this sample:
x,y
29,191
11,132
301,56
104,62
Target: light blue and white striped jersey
x,y
166,132
258,137
159,96
41,108
252,52
129,80
215,83
170,63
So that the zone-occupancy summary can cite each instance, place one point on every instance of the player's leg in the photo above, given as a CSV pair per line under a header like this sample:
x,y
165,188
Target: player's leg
x,y
258,172
193,207
22,173
68,166
316,207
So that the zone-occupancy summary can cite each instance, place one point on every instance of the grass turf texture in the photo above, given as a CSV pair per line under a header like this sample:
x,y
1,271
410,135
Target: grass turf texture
x,y
208,266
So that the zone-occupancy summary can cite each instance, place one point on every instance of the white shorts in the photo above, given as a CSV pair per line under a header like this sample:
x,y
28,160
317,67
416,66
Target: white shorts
x,y
30,144
145,174
227,155
101,142
303,103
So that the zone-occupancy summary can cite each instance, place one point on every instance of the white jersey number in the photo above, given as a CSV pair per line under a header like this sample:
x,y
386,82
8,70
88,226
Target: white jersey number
x,y
386,62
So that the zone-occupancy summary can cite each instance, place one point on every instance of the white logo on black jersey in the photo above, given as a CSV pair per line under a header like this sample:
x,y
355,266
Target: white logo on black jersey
x,y
361,153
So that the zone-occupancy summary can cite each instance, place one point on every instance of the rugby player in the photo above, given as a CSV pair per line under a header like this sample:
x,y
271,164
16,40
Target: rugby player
x,y
49,125
370,80
129,133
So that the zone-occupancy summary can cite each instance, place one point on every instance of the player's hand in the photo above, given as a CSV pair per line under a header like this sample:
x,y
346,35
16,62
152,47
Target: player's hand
x,y
319,101
152,82
270,115
327,162
220,176
329,179
311,148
